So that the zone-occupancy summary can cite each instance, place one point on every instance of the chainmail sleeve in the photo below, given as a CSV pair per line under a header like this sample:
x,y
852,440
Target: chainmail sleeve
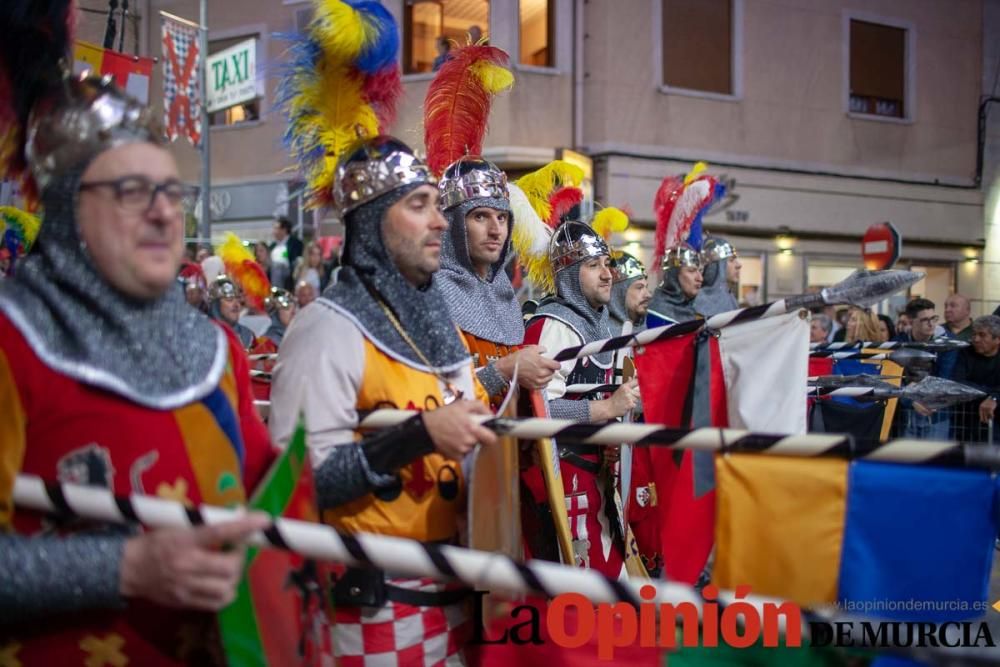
x,y
492,380
47,575
353,470
563,408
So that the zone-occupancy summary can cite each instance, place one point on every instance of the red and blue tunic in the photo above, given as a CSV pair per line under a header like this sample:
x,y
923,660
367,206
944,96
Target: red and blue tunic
x,y
60,429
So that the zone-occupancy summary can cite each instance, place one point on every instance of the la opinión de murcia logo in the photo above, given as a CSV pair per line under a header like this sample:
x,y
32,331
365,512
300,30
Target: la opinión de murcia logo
x,y
738,624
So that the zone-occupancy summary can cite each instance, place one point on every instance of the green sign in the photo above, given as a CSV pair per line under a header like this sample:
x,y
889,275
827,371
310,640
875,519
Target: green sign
x,y
232,76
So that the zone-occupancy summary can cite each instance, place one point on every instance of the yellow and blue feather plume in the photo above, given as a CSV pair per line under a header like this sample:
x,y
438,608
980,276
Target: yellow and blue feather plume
x,y
341,84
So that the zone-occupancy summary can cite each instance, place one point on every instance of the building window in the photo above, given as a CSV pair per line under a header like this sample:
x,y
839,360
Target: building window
x,y
246,112
535,23
698,45
878,69
431,26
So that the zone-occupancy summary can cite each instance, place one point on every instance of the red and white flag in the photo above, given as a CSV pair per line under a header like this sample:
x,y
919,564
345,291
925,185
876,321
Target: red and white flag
x,y
752,376
182,97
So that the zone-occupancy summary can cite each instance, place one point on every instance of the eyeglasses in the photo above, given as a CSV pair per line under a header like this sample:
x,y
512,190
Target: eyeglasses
x,y
138,193
929,320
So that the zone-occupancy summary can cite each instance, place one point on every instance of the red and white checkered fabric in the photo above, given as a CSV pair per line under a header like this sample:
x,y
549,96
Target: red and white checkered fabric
x,y
399,635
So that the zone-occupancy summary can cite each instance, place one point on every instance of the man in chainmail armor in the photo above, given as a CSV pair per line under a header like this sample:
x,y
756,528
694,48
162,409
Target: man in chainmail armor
x,y
577,314
473,280
379,338
108,377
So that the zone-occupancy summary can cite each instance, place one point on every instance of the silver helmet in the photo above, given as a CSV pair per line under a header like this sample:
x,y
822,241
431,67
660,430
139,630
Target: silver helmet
x,y
715,249
92,117
373,168
625,266
278,299
574,242
224,287
471,177
681,255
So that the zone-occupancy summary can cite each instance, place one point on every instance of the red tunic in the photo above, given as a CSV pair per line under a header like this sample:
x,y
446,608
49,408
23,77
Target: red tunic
x,y
58,428
587,481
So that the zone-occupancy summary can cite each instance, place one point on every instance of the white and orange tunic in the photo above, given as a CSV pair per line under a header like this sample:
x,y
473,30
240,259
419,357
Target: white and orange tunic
x,y
329,370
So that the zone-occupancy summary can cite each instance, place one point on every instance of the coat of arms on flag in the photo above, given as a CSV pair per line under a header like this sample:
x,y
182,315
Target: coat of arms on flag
x,y
181,87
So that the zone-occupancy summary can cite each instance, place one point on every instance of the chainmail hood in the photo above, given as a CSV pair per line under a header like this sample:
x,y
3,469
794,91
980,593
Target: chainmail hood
x,y
715,297
669,299
570,305
617,311
160,353
368,275
484,307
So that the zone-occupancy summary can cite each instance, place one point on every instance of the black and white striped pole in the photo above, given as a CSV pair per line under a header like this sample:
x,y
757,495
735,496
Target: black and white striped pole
x,y
935,345
723,440
479,570
862,288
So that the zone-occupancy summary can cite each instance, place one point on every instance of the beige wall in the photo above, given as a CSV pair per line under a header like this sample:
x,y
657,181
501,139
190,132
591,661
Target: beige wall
x,y
792,109
812,203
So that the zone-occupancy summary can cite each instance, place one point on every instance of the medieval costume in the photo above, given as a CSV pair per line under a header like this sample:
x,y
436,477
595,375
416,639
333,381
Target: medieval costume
x,y
563,320
97,387
375,339
670,304
679,205
278,303
637,489
715,296
456,108
224,287
194,286
347,353
625,270
485,308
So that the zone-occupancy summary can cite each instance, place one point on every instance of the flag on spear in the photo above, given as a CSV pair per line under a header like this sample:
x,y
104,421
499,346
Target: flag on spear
x,y
751,375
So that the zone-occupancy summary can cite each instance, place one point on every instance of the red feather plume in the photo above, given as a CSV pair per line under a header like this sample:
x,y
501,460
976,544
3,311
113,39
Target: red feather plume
x,y
457,105
562,202
382,90
663,205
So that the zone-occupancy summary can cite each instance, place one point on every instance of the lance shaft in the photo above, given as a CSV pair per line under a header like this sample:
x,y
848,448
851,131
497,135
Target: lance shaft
x,y
400,556
858,289
480,570
938,344
723,440
715,322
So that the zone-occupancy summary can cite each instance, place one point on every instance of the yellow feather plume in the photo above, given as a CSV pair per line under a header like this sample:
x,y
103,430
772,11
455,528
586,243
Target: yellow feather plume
x,y
244,270
340,116
539,185
695,172
340,29
530,240
24,225
609,220
495,79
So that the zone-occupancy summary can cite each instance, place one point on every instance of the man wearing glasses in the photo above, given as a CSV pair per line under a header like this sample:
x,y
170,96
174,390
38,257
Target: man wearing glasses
x,y
919,421
109,378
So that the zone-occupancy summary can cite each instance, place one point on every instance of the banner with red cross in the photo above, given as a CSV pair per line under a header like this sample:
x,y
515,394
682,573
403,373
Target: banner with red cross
x,y
181,88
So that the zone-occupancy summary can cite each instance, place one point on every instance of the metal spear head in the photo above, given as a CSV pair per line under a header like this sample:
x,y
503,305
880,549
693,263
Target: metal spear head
x,y
908,356
866,288
940,344
937,393
841,381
